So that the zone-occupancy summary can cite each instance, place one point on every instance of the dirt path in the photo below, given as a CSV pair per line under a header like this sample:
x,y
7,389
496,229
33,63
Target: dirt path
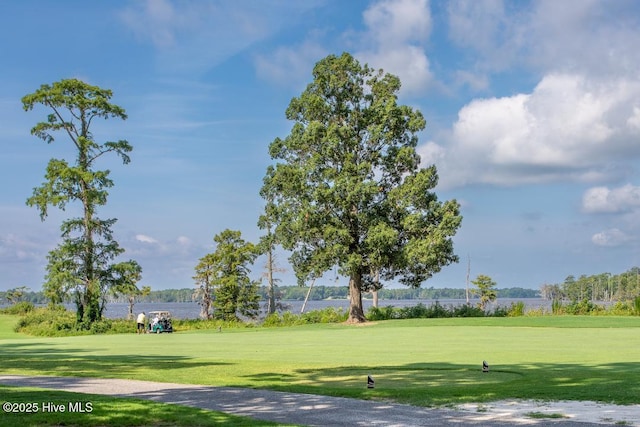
x,y
292,408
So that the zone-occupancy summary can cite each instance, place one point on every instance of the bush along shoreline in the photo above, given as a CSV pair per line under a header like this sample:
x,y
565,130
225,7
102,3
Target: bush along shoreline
x,y
58,321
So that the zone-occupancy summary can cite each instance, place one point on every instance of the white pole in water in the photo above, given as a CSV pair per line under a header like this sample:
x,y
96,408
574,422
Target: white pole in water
x,y
468,271
304,304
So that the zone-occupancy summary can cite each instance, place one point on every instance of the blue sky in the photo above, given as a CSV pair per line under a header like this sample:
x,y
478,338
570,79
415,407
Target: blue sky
x,y
532,108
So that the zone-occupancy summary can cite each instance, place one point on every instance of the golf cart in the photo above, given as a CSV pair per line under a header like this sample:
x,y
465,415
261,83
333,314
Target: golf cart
x,y
160,322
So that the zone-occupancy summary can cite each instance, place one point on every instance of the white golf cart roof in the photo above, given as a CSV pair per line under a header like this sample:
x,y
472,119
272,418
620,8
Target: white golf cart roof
x,y
160,313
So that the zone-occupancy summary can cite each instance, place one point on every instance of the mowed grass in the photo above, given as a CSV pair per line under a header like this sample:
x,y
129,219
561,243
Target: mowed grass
x,y
422,362
7,322
104,410
109,411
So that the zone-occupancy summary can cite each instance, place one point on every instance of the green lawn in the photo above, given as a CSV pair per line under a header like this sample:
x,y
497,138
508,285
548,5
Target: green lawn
x,y
108,411
7,322
422,362
105,410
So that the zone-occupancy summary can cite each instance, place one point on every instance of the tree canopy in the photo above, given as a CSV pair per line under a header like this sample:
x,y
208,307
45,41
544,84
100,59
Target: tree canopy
x,y
347,188
222,279
485,289
82,264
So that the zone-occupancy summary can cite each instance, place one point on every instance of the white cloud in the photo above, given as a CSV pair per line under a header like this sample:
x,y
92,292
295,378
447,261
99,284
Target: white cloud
x,y
290,66
165,260
159,21
432,153
145,239
145,246
394,39
633,122
567,36
610,238
184,241
475,81
485,27
395,22
617,200
195,36
409,63
569,127
20,248
396,33
585,35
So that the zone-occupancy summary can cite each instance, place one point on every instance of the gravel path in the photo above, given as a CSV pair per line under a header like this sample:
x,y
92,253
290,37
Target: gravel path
x,y
286,408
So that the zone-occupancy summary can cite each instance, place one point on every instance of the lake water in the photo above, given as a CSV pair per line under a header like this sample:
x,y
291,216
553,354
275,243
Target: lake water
x,y
191,310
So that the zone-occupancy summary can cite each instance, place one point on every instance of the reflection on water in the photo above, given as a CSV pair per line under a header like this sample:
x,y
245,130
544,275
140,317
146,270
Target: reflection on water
x,y
191,310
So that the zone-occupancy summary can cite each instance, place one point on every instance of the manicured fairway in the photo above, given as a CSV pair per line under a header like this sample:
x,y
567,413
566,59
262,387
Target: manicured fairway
x,y
422,362
6,327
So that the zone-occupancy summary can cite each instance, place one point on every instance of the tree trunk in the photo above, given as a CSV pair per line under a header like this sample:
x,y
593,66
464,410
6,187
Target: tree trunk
x,y
356,313
374,293
131,303
272,292
91,310
205,310
205,304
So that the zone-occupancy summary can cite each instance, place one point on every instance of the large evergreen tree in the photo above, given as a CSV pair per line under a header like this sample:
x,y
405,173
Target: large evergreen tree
x,y
347,186
82,265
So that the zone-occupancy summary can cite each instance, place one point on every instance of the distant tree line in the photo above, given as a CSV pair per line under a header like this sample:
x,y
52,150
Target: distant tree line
x,y
165,295
342,292
298,293
11,297
597,287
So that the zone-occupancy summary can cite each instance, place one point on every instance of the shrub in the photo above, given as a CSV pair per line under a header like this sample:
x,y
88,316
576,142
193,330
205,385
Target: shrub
x,y
636,306
516,309
289,318
101,327
420,311
584,307
326,315
57,321
382,313
121,326
48,322
622,308
19,308
499,311
284,319
272,319
200,324
540,311
414,312
438,311
468,311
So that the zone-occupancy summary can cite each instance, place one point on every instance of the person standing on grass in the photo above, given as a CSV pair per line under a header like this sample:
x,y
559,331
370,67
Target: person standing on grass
x,y
141,321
